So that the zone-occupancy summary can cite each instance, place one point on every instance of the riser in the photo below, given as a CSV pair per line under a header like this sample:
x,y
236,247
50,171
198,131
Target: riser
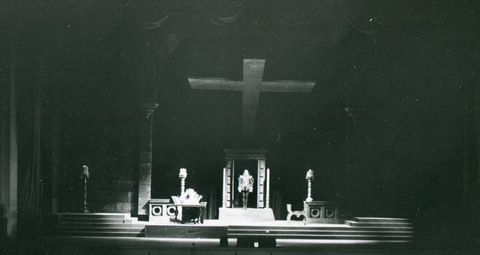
x,y
321,229
99,225
102,234
386,220
330,237
93,216
364,224
323,232
312,236
101,229
104,221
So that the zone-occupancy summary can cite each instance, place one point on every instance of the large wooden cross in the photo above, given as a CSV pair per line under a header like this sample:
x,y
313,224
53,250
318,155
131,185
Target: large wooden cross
x,y
251,86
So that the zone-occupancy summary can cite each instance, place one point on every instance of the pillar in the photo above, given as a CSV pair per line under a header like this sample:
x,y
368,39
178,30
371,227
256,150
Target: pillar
x,y
8,147
145,157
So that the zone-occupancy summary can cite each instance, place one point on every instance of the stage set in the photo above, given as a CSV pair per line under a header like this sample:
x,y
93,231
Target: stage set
x,y
245,215
182,217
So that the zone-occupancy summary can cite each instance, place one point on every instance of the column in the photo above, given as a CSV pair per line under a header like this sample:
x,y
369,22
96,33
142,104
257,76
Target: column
x,y
261,183
145,157
228,184
8,146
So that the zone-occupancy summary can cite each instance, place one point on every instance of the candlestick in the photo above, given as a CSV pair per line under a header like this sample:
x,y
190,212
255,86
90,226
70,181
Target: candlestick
x,y
85,176
182,175
309,178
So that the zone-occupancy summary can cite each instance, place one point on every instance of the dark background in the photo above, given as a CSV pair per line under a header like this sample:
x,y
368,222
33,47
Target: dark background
x,y
390,129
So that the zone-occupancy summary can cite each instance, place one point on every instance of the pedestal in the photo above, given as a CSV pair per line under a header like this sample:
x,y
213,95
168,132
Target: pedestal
x,y
239,215
322,212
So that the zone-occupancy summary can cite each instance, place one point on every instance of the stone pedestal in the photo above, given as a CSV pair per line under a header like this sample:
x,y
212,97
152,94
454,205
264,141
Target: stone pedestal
x,y
239,215
322,212
145,158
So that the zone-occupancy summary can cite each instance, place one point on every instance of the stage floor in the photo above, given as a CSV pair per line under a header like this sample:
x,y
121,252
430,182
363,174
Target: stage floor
x,y
160,246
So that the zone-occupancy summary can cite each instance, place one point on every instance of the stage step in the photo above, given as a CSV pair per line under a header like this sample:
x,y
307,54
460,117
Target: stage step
x,y
316,231
94,215
378,219
370,222
373,229
96,225
103,234
94,220
101,224
313,228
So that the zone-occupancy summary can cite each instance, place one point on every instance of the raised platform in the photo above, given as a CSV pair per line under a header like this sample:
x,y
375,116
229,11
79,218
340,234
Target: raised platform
x,y
186,231
231,215
264,233
97,224
359,229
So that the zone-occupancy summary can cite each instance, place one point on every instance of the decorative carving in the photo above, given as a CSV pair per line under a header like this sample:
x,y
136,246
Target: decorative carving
x,y
291,213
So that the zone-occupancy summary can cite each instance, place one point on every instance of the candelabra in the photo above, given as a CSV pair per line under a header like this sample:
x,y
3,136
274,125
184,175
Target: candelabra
x,y
309,179
182,175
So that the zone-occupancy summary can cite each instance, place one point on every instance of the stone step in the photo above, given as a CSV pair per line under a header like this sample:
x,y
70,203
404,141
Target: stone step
x,y
326,236
105,221
332,232
100,233
313,228
377,224
381,219
98,224
93,229
104,225
93,215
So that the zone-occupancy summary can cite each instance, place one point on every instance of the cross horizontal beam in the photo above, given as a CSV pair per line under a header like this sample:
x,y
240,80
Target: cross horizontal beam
x,y
251,86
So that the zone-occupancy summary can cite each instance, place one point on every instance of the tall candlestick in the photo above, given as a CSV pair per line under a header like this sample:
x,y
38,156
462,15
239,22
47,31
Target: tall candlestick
x,y
309,178
182,175
85,176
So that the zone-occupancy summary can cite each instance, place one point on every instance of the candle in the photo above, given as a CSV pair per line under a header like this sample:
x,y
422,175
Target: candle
x,y
183,173
85,171
309,174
